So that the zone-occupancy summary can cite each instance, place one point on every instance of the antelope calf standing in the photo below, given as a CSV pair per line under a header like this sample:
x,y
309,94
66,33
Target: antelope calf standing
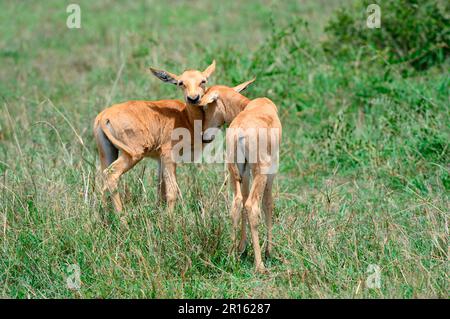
x,y
141,129
253,138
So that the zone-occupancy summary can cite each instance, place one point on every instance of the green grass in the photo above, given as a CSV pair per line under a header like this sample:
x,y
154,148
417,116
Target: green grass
x,y
364,175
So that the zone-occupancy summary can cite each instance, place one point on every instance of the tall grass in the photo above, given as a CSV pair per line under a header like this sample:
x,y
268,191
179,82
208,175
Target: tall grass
x,y
363,180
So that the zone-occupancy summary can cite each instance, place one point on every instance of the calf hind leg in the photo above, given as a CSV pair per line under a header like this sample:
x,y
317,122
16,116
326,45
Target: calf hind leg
x,y
252,205
245,190
112,175
268,210
237,203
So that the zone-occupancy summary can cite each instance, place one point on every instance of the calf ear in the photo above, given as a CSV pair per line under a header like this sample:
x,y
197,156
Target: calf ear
x,y
165,76
209,98
210,69
241,87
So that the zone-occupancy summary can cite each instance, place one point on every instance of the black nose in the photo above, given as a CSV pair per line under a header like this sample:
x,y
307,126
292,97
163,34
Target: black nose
x,y
193,100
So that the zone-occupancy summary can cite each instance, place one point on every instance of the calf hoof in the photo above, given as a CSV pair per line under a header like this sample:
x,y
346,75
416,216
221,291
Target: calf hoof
x,y
261,269
124,223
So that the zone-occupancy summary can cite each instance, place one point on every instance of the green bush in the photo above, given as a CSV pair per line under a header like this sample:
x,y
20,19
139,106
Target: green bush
x,y
412,32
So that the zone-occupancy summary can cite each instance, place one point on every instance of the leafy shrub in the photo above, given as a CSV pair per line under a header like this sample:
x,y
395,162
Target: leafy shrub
x,y
412,31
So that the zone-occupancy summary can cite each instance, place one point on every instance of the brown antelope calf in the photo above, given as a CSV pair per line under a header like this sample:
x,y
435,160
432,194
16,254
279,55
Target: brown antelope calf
x,y
254,134
141,129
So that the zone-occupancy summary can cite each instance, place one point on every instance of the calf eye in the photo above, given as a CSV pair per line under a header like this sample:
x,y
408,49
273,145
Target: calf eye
x,y
203,82
180,83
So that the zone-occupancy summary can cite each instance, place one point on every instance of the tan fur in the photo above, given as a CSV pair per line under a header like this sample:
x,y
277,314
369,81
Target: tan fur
x,y
143,129
224,105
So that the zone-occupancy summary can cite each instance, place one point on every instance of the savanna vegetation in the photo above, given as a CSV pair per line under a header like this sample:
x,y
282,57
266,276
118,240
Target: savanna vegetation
x,y
364,175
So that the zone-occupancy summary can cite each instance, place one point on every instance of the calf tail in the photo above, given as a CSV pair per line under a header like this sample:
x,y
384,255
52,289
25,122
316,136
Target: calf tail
x,y
108,151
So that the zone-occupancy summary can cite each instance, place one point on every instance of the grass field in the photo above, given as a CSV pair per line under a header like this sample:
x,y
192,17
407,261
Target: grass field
x,y
364,177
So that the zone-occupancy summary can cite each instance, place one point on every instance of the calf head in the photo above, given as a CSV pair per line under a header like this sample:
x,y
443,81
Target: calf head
x,y
192,82
213,104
